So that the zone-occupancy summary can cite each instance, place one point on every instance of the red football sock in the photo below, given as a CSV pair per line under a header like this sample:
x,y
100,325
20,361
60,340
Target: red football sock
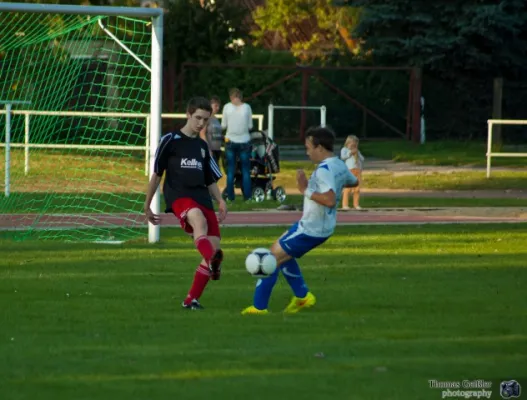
x,y
204,247
201,278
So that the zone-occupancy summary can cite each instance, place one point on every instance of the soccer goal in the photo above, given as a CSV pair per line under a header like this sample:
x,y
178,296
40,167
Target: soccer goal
x,y
490,154
272,108
92,76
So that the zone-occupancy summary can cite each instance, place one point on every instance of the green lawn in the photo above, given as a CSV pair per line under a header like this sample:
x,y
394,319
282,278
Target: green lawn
x,y
89,172
443,152
397,306
76,203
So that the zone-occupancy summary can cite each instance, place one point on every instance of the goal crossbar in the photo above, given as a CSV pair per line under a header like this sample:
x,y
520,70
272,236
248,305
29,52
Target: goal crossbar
x,y
490,153
272,107
82,10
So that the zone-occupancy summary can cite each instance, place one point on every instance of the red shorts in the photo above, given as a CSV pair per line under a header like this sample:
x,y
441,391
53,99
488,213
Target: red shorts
x,y
181,207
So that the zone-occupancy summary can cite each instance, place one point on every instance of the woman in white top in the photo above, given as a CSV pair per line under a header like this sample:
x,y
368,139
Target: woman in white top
x,y
237,120
354,161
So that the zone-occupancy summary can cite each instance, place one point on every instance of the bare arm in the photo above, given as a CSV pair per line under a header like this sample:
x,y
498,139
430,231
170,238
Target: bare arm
x,y
152,188
214,190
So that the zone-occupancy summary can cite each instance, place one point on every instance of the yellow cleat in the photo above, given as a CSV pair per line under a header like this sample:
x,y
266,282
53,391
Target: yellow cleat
x,y
252,310
298,304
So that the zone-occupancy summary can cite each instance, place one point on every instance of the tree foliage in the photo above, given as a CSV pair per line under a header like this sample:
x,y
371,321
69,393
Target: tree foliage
x,y
461,46
196,33
312,28
450,37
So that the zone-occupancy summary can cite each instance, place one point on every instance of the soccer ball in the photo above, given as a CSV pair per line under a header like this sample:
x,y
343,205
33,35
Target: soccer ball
x,y
260,262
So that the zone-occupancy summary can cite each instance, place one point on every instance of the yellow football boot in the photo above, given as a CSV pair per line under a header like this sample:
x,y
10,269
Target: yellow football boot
x,y
298,304
252,310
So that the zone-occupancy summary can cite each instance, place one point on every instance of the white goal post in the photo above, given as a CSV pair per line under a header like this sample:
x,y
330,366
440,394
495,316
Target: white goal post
x,y
490,154
272,107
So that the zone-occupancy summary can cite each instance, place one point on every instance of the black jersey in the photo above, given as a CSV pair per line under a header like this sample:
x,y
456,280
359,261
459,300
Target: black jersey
x,y
189,169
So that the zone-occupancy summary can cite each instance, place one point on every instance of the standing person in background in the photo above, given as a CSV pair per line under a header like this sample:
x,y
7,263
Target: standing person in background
x,y
237,120
213,132
354,161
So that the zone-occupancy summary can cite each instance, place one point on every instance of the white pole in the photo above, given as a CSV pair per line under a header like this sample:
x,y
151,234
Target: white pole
x,y
147,145
423,127
82,10
155,113
7,147
489,146
26,147
270,121
323,116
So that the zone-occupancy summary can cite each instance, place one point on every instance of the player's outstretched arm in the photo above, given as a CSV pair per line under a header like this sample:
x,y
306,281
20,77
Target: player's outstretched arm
x,y
152,188
214,190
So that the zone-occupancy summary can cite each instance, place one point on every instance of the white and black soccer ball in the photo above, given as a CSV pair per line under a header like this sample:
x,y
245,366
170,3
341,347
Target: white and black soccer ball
x,y
260,262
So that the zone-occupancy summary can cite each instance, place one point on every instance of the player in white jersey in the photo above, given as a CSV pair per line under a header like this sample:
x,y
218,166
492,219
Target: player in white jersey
x,y
321,195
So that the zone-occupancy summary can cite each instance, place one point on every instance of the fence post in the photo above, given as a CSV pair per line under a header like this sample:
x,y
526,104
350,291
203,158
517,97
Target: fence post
x,y
26,142
489,146
323,116
270,121
7,148
416,105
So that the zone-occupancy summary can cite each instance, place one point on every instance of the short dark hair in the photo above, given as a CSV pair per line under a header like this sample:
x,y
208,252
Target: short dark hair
x,y
198,103
321,136
215,99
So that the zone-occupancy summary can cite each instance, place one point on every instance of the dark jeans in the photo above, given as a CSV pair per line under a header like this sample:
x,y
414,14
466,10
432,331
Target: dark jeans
x,y
233,151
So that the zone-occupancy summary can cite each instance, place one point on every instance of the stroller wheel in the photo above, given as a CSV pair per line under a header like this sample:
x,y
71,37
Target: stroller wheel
x,y
279,194
258,194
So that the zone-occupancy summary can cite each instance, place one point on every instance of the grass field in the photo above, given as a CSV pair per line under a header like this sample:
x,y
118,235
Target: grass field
x,y
442,152
397,306
76,203
93,172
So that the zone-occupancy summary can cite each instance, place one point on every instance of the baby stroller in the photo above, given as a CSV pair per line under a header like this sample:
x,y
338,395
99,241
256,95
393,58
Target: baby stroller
x,y
265,161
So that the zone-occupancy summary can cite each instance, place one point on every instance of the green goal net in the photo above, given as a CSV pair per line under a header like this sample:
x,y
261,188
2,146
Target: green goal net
x,y
75,94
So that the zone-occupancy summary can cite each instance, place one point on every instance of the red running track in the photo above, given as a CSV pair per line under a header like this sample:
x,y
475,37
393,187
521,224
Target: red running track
x,y
274,218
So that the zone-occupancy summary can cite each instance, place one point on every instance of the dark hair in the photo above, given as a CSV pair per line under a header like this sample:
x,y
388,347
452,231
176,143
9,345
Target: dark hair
x,y
215,99
198,103
321,136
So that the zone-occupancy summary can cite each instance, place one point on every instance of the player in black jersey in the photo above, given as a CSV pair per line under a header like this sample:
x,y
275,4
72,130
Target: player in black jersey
x,y
190,180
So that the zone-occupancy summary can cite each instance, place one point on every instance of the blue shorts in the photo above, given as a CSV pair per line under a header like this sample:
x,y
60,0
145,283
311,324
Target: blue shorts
x,y
296,244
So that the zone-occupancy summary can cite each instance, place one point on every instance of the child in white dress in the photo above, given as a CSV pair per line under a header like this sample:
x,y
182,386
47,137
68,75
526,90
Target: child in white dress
x,y
354,161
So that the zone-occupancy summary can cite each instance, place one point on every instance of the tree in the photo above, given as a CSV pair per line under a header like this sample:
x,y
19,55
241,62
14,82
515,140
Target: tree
x,y
203,33
461,46
311,29
447,36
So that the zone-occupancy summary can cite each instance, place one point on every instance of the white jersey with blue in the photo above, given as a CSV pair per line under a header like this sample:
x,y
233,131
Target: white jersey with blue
x,y
318,222
331,174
